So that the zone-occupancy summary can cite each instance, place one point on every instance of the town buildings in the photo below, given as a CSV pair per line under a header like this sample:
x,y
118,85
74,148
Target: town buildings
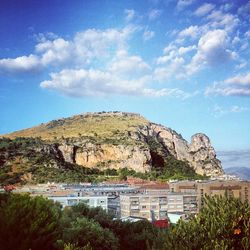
x,y
229,188
152,201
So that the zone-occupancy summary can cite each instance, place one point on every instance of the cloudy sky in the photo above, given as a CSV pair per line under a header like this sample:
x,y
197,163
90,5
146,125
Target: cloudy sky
x,y
182,63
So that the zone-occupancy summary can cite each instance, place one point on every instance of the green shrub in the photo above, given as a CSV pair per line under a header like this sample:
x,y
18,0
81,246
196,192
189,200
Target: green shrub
x,y
223,223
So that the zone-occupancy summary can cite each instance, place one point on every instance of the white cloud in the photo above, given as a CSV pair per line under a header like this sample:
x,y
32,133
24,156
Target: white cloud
x,y
154,14
238,109
89,83
80,51
244,9
130,15
148,34
218,19
219,111
235,86
126,65
79,83
56,51
226,6
22,64
172,64
247,34
177,93
204,9
175,67
243,80
191,31
184,50
212,50
182,4
172,51
241,65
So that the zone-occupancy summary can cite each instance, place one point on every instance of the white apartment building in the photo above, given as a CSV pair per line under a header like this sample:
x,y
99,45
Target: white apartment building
x,y
182,203
92,201
148,206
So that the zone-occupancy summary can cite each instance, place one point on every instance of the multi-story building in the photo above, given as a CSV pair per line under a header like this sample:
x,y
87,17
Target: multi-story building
x,y
148,206
102,189
182,203
230,188
157,189
92,201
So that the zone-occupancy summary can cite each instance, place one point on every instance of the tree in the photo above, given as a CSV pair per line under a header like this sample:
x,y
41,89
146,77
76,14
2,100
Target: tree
x,y
83,231
28,223
141,235
223,223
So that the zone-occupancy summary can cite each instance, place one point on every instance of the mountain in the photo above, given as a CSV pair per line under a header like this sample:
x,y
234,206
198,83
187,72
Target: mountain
x,y
242,172
105,140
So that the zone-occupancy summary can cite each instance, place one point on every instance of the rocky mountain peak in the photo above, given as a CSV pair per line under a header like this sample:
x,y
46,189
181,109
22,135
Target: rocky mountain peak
x,y
119,139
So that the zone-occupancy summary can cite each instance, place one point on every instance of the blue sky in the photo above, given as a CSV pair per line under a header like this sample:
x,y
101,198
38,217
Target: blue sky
x,y
182,63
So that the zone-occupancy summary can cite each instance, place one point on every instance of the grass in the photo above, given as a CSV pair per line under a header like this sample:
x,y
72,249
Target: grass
x,y
102,126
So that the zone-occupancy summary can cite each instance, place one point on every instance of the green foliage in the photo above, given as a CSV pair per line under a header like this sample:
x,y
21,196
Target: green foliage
x,y
25,160
177,169
28,223
139,235
223,223
23,156
167,167
82,231
70,246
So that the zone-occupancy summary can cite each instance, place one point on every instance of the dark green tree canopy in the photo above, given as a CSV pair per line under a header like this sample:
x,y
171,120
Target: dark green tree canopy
x,y
28,223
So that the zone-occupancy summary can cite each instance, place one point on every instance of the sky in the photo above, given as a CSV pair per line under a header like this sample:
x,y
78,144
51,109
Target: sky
x,y
181,63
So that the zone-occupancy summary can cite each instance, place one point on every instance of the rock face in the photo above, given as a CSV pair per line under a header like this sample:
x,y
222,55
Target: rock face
x,y
116,157
199,153
118,140
107,156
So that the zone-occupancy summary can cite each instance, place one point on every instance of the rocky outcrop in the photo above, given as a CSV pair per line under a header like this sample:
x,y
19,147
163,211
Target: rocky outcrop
x,y
199,153
106,156
123,140
203,156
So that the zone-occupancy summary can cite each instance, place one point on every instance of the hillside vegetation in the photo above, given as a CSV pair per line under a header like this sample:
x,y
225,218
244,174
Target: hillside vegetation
x,y
94,147
22,161
98,125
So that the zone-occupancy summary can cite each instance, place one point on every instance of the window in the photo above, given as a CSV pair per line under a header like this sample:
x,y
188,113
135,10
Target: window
x,y
143,207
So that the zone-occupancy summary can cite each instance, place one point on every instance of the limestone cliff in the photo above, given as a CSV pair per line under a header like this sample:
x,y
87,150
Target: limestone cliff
x,y
199,153
118,140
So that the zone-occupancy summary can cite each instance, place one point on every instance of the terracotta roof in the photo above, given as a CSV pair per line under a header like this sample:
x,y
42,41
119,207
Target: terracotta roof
x,y
160,223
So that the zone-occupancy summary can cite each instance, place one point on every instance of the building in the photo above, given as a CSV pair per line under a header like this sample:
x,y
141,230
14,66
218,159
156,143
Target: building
x,y
101,189
148,206
155,188
229,188
92,201
186,203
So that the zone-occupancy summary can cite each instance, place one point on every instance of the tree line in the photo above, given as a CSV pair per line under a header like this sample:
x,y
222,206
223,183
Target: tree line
x,y
37,223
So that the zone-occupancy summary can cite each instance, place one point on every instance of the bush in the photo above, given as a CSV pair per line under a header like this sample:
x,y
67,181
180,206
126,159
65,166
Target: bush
x,y
223,223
